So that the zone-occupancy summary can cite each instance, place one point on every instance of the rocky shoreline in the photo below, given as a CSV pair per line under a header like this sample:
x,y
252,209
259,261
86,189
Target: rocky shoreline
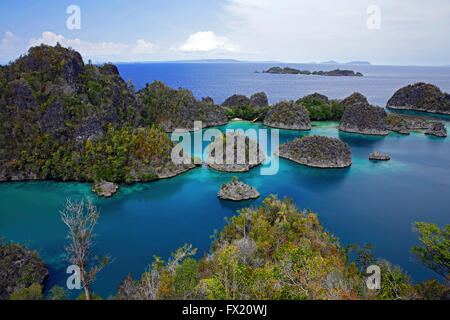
x,y
317,152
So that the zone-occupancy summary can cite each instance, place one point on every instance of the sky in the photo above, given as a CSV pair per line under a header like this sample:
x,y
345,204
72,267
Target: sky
x,y
388,32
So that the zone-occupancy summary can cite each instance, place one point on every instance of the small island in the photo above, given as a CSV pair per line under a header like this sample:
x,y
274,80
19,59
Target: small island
x,y
422,97
237,191
360,117
332,73
437,129
317,151
234,152
378,156
288,115
105,189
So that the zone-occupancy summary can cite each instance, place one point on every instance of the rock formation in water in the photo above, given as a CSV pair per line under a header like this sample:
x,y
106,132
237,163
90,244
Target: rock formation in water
x,y
236,100
317,151
420,97
105,189
396,123
360,117
234,152
378,156
259,100
437,129
237,191
20,268
332,73
288,115
64,120
178,109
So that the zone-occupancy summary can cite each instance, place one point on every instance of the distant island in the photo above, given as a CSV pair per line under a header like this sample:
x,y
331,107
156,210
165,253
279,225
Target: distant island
x,y
332,73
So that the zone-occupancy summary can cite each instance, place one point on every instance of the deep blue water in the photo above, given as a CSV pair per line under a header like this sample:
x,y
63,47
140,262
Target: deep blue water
x,y
368,202
221,80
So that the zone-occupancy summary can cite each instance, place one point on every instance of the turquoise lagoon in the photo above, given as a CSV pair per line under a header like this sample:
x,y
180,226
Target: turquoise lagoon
x,y
368,202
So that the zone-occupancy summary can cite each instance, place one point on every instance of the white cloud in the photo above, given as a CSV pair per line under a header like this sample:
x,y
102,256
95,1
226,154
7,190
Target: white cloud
x,y
9,41
208,41
143,47
294,30
97,49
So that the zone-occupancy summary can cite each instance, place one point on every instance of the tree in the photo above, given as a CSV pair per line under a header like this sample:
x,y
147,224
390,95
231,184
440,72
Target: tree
x,y
81,218
435,250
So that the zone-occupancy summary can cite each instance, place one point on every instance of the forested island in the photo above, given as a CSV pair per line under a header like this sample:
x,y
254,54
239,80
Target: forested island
x,y
332,73
65,120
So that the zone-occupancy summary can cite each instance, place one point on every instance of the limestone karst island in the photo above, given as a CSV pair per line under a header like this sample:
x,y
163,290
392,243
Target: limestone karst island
x,y
209,156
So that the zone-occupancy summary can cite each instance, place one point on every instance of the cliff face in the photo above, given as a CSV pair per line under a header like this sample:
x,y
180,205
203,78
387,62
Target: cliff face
x,y
64,120
360,117
317,151
178,109
420,97
288,115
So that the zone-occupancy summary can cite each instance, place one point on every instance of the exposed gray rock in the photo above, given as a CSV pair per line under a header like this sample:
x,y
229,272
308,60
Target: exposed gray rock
x,y
317,151
236,100
208,100
105,189
234,152
437,129
360,117
420,97
259,100
237,191
379,156
355,99
288,115
315,96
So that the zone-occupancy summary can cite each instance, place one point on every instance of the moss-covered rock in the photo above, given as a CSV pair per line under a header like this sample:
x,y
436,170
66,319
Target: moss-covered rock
x,y
20,268
420,97
317,151
234,152
288,115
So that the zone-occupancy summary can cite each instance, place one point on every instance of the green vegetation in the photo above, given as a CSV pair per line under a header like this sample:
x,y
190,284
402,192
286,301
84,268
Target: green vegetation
x,y
22,272
246,112
435,250
275,251
320,110
63,120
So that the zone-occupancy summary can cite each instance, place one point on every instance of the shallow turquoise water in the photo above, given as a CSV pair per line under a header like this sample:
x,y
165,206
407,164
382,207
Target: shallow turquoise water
x,y
368,202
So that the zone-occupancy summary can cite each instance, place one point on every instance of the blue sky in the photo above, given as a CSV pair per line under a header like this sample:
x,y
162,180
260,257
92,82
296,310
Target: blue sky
x,y
404,32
